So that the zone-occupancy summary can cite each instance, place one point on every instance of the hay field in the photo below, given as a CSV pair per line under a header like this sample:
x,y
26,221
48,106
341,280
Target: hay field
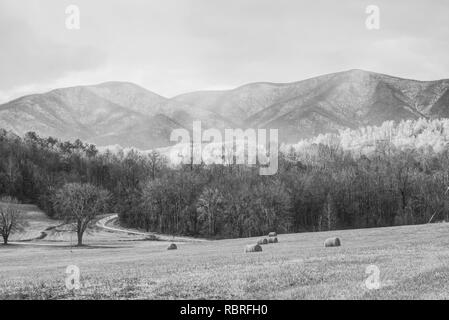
x,y
412,260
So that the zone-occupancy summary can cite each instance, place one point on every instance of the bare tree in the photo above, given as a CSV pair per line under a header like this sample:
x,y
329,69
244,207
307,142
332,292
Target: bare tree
x,y
80,204
11,218
155,161
210,205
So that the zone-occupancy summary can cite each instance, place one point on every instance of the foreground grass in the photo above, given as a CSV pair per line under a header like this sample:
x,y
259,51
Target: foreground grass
x,y
413,263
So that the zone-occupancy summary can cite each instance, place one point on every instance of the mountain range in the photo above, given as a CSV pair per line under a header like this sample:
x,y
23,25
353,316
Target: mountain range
x,y
125,114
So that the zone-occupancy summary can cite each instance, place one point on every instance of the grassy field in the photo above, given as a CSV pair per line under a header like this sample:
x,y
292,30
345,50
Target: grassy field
x,y
413,263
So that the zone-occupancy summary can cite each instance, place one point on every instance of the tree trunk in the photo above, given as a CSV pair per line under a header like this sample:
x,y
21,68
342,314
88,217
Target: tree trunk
x,y
80,238
5,239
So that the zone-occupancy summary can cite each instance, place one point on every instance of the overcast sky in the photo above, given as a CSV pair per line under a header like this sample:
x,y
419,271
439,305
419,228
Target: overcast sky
x,y
176,46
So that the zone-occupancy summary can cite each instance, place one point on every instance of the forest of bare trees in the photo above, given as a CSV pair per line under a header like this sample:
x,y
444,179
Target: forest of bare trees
x,y
320,185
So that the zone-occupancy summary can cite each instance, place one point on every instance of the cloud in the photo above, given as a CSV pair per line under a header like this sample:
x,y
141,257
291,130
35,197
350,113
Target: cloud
x,y
28,58
172,46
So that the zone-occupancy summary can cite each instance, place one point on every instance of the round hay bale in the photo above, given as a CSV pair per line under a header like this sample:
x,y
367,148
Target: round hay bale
x,y
271,240
265,241
275,240
332,242
172,247
272,234
253,248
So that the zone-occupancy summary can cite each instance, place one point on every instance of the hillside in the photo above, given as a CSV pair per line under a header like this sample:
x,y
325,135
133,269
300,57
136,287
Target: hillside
x,y
412,261
126,114
104,114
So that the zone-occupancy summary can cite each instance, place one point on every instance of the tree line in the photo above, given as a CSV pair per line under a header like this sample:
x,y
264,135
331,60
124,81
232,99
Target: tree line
x,y
321,187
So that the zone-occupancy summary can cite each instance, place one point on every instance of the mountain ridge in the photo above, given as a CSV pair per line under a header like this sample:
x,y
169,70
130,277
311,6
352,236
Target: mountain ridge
x,y
115,111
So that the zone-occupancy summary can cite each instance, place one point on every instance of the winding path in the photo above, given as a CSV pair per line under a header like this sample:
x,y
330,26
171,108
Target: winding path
x,y
102,223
